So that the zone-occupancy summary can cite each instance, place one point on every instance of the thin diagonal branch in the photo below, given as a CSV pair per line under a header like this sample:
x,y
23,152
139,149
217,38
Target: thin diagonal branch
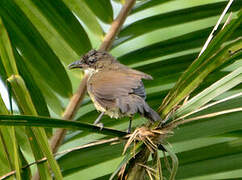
x,y
69,113
208,105
176,123
116,25
77,98
210,37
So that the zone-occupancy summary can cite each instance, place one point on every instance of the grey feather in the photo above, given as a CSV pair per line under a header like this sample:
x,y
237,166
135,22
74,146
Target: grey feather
x,y
121,90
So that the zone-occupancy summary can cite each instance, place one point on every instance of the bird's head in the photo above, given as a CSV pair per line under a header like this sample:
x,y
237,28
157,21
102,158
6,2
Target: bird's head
x,y
93,60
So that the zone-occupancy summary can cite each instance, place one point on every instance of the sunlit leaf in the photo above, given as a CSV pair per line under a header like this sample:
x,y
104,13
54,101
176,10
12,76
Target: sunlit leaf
x,y
102,9
82,11
172,18
226,83
202,66
31,46
51,122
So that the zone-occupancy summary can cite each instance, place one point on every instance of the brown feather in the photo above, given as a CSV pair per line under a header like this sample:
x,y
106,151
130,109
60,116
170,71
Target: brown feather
x,y
115,89
113,84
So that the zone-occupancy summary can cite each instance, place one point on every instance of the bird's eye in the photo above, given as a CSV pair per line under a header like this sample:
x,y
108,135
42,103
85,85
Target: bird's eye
x,y
91,60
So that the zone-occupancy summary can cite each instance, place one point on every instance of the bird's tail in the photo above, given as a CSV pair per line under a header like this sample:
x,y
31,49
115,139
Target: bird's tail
x,y
145,110
150,114
136,104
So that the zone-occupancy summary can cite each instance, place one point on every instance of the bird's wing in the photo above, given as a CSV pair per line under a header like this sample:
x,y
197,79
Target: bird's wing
x,y
134,72
112,85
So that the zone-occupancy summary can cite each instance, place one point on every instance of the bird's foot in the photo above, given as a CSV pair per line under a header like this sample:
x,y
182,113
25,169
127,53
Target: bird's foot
x,y
128,130
130,125
99,125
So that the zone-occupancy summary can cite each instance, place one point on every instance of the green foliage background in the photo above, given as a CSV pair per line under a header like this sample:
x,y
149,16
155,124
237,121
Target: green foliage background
x,y
38,39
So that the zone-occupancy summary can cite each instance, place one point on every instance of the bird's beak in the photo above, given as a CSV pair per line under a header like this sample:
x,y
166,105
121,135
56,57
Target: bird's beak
x,y
76,64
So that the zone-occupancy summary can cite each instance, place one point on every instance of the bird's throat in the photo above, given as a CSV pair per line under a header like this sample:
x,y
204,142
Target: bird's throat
x,y
90,71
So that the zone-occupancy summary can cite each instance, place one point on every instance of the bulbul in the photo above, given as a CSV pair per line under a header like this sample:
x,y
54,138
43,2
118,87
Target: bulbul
x,y
115,89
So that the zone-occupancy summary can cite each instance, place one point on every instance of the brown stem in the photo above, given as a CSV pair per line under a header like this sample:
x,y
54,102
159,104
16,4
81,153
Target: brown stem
x,y
69,113
116,25
77,98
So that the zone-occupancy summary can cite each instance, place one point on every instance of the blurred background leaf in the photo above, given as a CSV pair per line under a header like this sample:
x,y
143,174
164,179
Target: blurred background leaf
x,y
102,9
161,38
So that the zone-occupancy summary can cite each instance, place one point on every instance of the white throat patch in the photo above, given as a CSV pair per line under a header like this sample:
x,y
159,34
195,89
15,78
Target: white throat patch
x,y
90,71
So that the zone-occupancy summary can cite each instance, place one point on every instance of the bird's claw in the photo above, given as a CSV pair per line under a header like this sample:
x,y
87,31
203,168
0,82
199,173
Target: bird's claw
x,y
99,125
128,130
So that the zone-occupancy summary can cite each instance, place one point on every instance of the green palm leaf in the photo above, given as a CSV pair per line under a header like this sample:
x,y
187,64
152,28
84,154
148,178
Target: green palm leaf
x,y
160,38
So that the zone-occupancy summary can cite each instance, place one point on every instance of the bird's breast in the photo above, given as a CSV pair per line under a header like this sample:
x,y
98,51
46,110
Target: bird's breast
x,y
96,104
113,113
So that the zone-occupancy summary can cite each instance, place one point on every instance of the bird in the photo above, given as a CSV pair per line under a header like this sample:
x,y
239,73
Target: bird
x,y
115,89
